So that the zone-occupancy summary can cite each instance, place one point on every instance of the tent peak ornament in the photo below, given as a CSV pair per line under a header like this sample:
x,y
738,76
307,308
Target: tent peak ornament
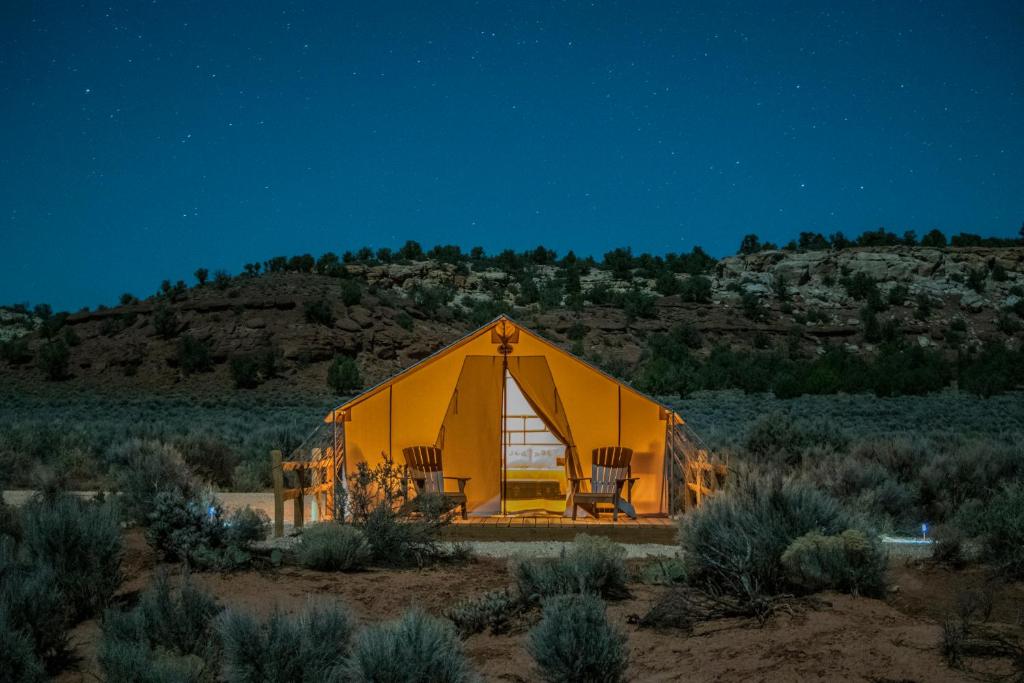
x,y
504,334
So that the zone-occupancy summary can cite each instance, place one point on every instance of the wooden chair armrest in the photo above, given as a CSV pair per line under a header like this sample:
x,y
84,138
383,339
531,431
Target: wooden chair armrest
x,y
579,478
461,480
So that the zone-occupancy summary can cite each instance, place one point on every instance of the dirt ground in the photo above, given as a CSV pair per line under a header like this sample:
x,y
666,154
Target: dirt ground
x,y
843,638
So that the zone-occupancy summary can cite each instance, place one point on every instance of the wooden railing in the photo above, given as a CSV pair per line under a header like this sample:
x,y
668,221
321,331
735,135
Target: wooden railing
x,y
695,472
313,469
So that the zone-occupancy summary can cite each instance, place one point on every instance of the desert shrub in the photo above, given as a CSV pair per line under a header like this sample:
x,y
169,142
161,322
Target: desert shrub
x,y
178,526
53,359
493,610
193,355
251,475
165,321
351,293
211,458
144,469
32,604
333,547
897,295
417,648
221,279
18,661
245,526
956,472
10,523
343,375
401,532
663,572
696,288
1007,323
245,371
405,321
71,337
666,283
753,308
977,279
81,542
993,370
15,351
879,478
637,304
575,642
169,636
397,539
851,562
998,524
319,312
860,286
778,435
195,529
593,564
309,647
734,542
951,546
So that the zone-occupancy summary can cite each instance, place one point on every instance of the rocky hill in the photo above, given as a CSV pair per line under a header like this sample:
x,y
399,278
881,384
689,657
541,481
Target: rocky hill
x,y
388,316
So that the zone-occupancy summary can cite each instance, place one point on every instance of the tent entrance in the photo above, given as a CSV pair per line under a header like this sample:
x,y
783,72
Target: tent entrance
x,y
534,457
506,428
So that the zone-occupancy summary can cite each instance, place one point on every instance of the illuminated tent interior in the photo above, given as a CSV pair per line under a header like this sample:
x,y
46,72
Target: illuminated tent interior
x,y
517,415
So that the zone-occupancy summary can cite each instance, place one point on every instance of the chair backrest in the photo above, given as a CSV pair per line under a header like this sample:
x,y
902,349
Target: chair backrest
x,y
424,463
609,464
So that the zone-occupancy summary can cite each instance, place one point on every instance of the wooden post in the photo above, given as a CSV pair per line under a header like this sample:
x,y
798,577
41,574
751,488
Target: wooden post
x,y
300,500
278,476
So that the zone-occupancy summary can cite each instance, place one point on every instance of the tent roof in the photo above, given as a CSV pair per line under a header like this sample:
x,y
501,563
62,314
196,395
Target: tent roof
x,y
440,353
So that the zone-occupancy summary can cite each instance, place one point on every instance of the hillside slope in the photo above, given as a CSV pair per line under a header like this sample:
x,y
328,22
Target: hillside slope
x,y
947,299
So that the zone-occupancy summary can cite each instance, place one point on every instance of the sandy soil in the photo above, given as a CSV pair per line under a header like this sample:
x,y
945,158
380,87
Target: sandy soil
x,y
844,638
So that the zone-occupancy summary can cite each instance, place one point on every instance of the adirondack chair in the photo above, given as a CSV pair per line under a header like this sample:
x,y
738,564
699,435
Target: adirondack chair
x,y
426,471
608,474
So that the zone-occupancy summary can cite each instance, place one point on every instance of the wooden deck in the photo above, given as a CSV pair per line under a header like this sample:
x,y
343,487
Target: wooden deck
x,y
661,530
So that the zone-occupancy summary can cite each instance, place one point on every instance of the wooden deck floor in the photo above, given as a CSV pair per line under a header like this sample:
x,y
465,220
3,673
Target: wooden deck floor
x,y
660,530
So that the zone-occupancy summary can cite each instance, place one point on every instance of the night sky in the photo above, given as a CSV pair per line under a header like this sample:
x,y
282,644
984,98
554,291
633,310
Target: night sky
x,y
141,141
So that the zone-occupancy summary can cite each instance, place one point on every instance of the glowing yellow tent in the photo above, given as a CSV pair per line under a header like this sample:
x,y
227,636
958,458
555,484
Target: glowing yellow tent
x,y
515,413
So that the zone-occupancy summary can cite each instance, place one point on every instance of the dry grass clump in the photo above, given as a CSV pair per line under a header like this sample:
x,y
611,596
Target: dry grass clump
x,y
80,541
851,562
331,546
417,648
167,636
593,564
575,642
62,566
310,647
495,611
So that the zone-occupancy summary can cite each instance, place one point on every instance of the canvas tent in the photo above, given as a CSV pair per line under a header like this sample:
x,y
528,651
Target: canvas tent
x,y
517,415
